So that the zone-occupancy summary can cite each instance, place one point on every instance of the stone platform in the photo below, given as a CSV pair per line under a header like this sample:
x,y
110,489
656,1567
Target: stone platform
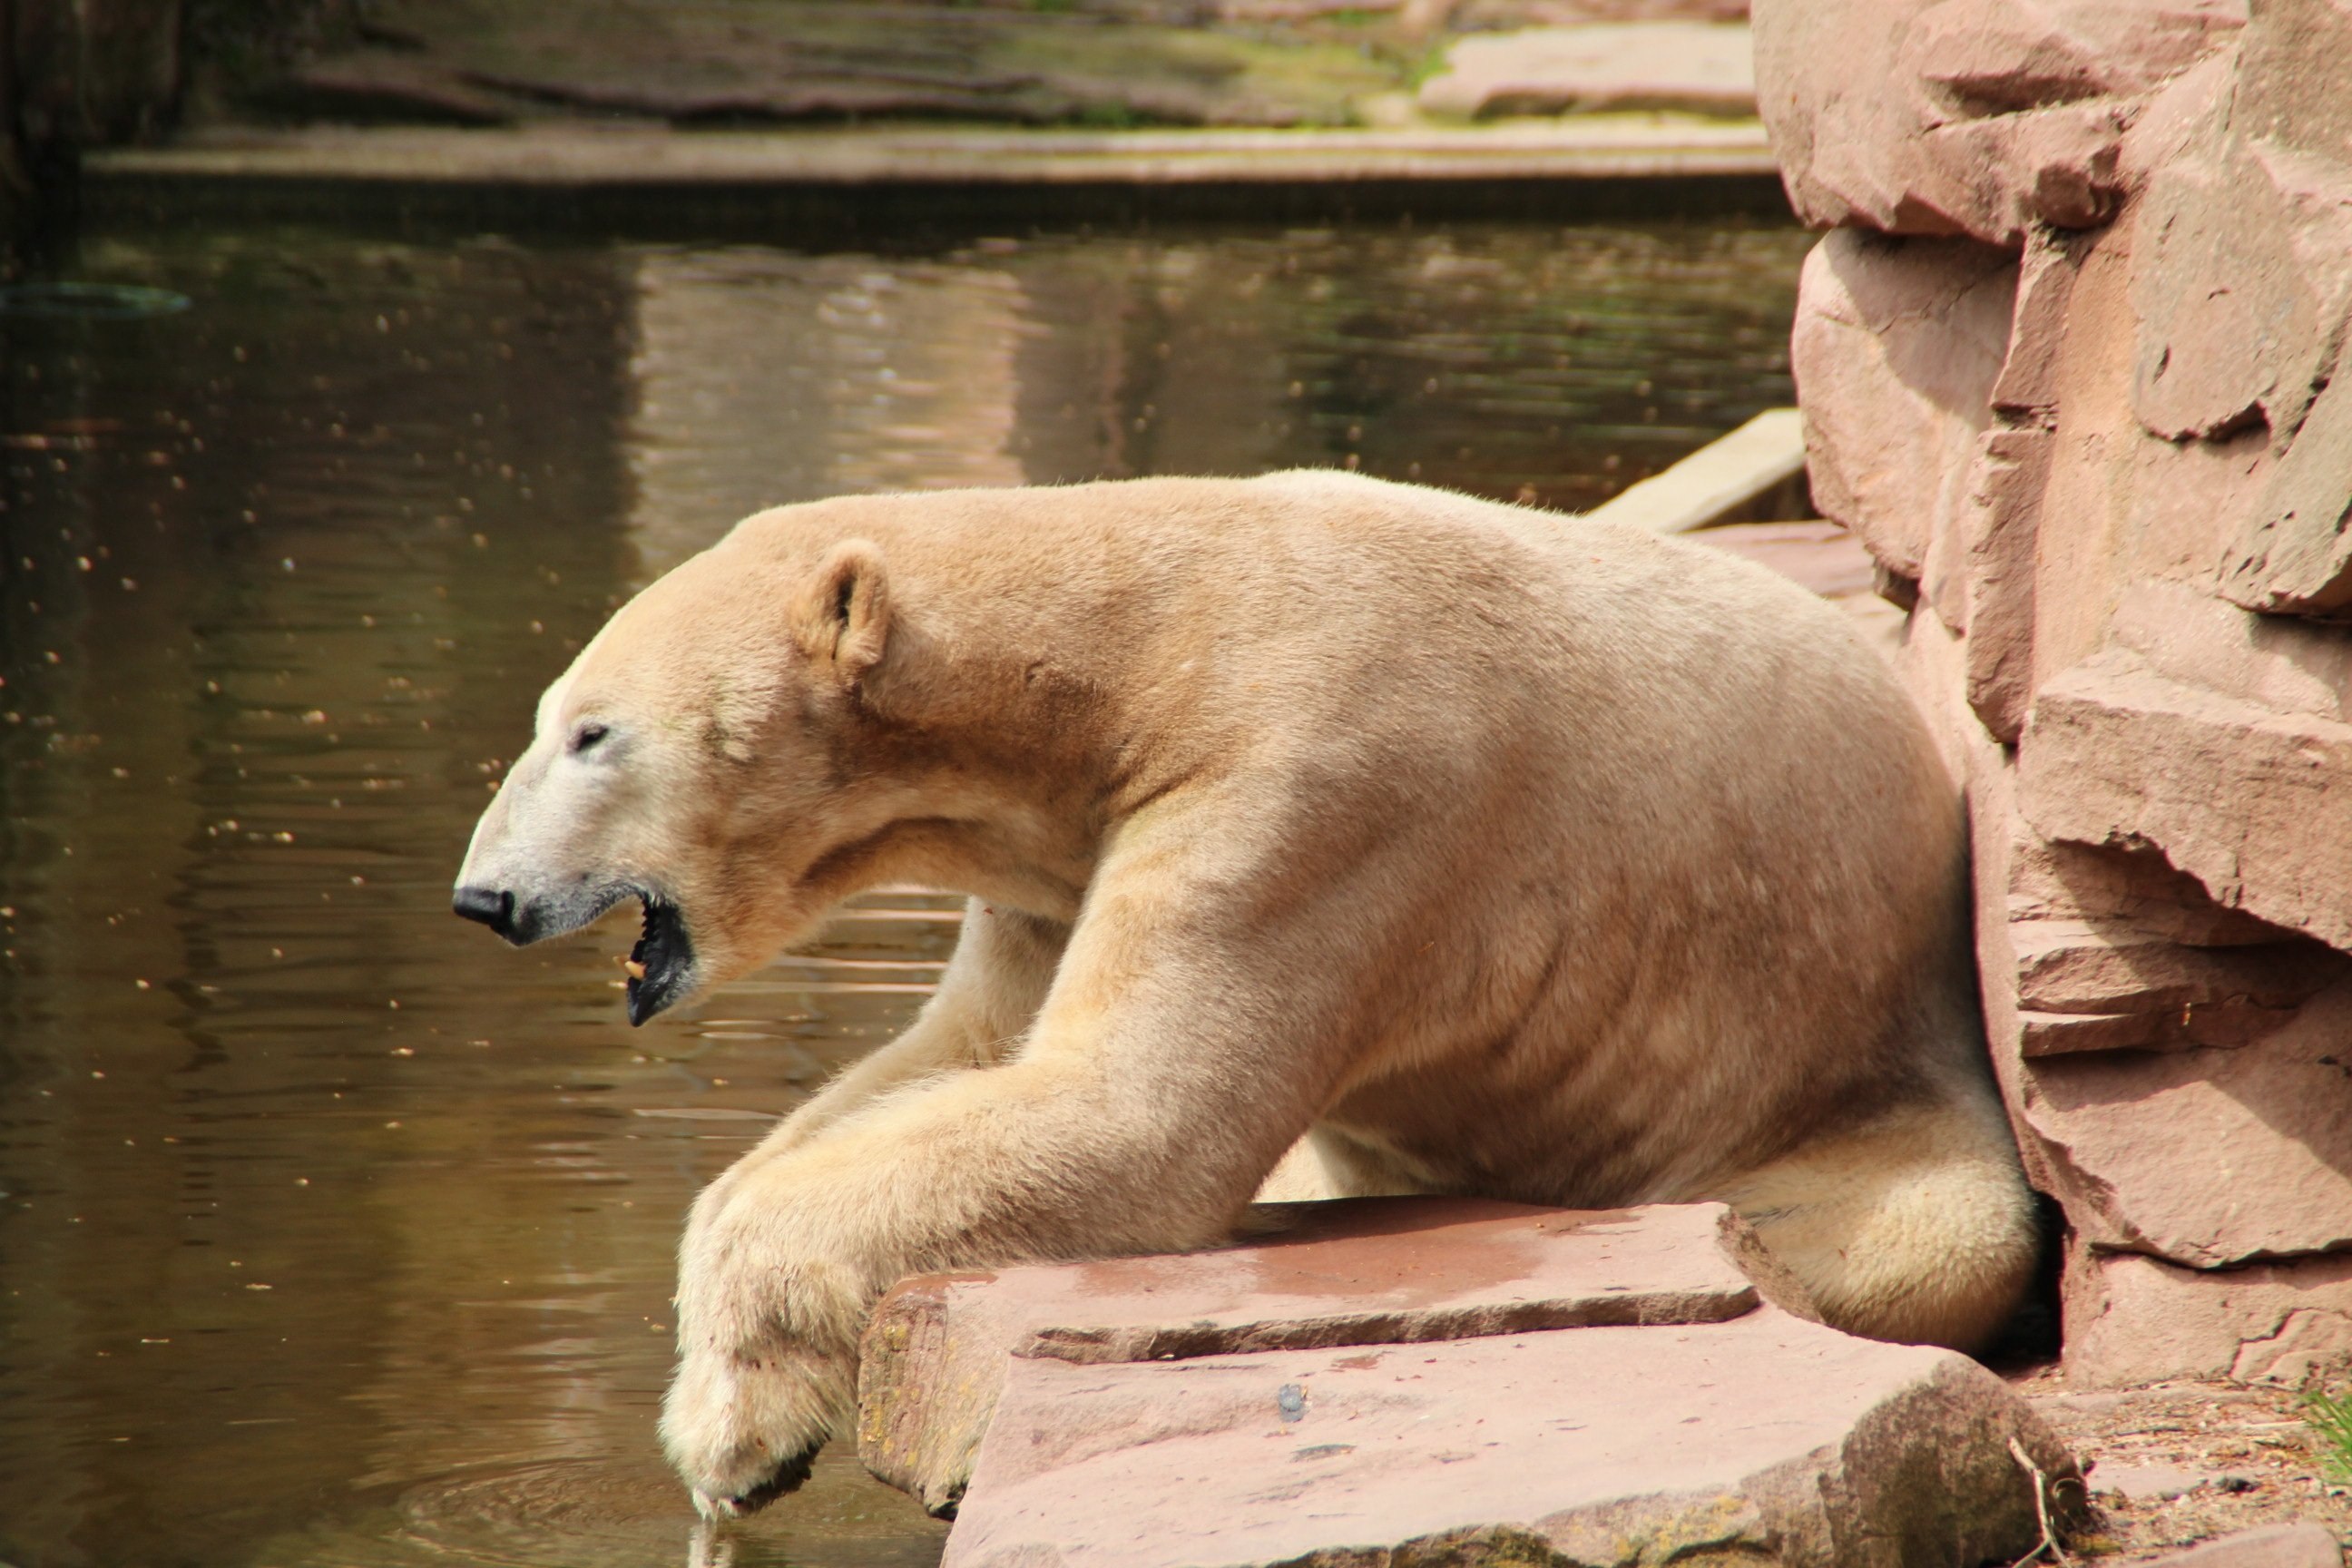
x,y
1354,1272
1398,1380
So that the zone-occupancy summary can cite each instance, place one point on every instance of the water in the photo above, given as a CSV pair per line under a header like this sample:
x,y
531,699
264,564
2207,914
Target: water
x,y
335,1232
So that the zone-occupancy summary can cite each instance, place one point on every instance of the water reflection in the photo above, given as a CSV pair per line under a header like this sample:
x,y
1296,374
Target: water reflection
x,y
331,1231
1550,366
867,376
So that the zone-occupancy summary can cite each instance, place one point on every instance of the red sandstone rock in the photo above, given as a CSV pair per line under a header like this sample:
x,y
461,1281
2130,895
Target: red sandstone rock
x,y
2304,1544
2256,805
2253,184
2166,446
2296,79
1896,346
1362,1271
2012,173
2224,1024
2131,1319
2084,966
2001,844
2278,664
2133,889
1976,117
2295,553
2208,1157
1999,533
2183,117
1764,1438
1991,57
2209,361
2045,286
1823,556
2257,190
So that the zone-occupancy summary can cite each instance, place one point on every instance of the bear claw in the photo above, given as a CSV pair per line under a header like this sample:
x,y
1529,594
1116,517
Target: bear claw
x,y
787,1476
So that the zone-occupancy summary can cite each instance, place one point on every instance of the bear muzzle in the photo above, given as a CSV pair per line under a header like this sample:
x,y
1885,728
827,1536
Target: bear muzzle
x,y
661,967
489,906
524,920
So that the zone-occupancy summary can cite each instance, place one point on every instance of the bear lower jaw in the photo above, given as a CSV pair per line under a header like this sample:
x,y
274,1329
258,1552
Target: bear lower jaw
x,y
661,965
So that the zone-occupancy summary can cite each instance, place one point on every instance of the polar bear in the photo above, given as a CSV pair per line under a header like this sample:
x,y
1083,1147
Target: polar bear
x,y
1446,846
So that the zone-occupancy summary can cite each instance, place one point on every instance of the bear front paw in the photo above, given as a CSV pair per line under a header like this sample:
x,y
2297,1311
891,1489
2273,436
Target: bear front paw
x,y
743,1429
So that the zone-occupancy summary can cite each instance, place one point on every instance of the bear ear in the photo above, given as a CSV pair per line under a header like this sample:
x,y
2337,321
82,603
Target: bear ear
x,y
841,617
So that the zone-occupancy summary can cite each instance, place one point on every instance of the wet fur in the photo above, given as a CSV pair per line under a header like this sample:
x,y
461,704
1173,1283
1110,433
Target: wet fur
x,y
1446,846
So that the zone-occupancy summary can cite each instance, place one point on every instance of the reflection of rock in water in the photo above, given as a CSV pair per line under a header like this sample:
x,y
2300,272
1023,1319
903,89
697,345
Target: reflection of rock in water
x,y
1553,366
1152,358
763,378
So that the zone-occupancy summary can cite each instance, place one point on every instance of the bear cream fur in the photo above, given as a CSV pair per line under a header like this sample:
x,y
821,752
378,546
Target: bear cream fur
x,y
1397,839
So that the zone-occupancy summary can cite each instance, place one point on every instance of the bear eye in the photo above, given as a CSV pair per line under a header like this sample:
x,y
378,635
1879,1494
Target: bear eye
x,y
587,735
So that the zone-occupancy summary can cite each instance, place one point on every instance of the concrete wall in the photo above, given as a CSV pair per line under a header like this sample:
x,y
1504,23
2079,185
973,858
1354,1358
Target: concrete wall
x,y
2072,358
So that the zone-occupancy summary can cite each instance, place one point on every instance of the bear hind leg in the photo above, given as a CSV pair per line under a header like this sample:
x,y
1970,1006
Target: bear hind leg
x,y
1918,1229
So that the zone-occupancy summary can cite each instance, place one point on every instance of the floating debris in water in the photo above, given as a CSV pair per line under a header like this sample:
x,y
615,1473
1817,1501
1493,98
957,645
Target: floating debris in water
x,y
90,301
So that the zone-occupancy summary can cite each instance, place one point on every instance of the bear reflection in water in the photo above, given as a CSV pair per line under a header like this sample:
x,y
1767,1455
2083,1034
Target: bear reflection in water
x,y
1323,837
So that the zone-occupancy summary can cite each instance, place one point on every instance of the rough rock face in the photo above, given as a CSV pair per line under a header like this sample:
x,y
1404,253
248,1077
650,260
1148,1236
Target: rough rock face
x,y
1975,117
2137,1318
2076,366
1897,346
1761,1439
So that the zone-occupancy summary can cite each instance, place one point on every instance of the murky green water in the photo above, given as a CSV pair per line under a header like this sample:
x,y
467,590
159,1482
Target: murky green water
x,y
335,1232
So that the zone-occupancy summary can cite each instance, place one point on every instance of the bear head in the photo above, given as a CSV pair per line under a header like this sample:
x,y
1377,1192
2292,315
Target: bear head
x,y
697,757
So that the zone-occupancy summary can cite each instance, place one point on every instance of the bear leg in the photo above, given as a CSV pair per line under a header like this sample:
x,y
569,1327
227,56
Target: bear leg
x,y
1917,1227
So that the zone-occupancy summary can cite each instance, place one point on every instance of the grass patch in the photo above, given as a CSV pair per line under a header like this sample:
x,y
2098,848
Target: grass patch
x,y
2329,1416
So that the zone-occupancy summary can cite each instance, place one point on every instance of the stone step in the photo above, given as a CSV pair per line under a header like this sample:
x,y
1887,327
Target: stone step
x,y
1352,1272
1698,68
1756,473
1761,1439
2304,1544
572,157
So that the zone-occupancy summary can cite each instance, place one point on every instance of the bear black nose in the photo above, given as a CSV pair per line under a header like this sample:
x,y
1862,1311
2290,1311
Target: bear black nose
x,y
493,909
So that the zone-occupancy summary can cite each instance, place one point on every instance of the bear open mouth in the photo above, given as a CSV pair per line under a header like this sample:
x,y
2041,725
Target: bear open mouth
x,y
661,966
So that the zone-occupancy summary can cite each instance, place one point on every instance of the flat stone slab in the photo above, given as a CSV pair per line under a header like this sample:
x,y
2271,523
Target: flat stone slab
x,y
571,157
2304,1544
1704,68
1820,555
1749,474
1764,1439
1353,1272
